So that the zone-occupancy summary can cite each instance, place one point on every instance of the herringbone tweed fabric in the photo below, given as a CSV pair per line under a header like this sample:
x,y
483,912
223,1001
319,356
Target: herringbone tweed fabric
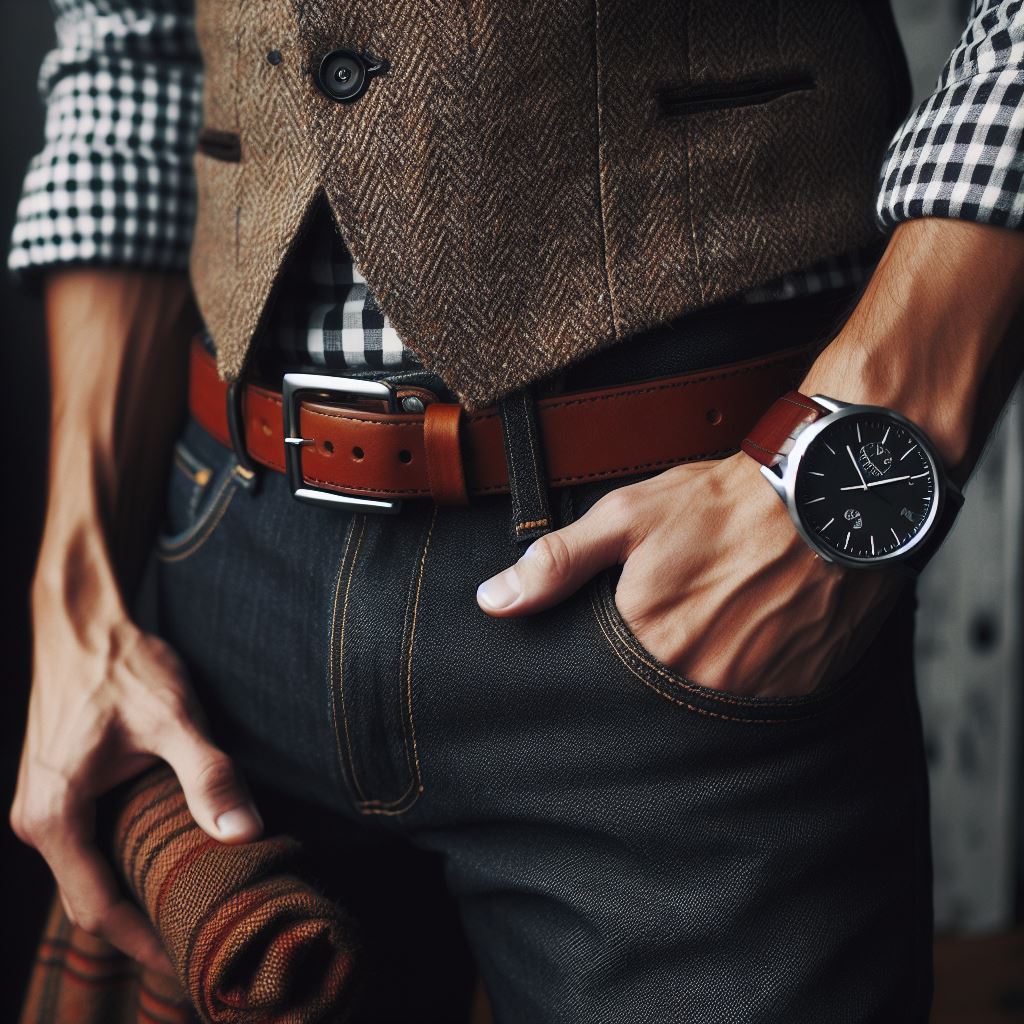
x,y
515,189
250,940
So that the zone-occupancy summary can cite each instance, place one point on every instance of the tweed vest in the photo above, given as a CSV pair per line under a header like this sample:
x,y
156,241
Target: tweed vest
x,y
532,180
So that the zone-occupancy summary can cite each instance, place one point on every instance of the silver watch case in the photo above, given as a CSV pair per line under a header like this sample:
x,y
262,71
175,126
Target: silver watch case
x,y
784,474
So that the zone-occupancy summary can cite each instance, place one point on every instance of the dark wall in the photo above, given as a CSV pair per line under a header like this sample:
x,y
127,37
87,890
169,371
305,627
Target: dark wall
x,y
27,31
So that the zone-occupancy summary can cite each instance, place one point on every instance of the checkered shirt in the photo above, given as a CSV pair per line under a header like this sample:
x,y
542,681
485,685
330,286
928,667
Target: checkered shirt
x,y
113,184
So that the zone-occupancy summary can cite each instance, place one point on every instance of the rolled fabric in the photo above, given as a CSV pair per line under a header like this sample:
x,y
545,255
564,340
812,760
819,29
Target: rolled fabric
x,y
251,941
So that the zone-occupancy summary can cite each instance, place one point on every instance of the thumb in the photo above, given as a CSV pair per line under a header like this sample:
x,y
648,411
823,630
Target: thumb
x,y
557,564
214,791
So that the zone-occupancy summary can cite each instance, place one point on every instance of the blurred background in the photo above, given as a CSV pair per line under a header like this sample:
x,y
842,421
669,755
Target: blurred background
x,y
969,649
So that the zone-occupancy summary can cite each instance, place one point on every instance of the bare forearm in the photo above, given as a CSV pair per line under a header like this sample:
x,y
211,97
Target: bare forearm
x,y
107,698
117,368
937,333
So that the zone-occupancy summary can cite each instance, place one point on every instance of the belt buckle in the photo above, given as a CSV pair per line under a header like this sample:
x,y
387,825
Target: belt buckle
x,y
295,388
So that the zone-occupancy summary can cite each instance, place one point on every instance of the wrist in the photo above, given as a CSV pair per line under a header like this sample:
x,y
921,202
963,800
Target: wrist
x,y
863,373
75,579
926,332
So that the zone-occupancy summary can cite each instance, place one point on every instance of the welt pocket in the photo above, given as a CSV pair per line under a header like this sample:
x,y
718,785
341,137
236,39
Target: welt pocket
x,y
680,100
219,145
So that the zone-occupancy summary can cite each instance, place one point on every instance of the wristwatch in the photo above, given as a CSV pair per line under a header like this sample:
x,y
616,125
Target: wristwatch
x,y
862,484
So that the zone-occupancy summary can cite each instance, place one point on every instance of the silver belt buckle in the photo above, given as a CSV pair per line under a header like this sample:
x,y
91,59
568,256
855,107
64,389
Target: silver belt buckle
x,y
298,387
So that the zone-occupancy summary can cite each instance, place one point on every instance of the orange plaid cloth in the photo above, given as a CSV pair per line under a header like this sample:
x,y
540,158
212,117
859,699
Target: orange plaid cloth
x,y
250,940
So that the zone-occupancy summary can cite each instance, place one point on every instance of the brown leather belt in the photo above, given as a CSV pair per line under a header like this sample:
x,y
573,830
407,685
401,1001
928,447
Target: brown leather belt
x,y
345,445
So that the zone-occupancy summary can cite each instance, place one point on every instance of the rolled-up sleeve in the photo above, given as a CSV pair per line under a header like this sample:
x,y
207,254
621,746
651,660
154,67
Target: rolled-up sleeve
x,y
113,184
960,154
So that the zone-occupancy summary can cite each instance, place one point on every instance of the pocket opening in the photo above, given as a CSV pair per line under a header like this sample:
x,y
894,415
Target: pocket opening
x,y
220,145
683,691
199,496
682,100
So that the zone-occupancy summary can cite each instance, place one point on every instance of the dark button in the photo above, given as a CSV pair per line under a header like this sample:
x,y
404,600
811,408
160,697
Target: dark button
x,y
345,74
274,57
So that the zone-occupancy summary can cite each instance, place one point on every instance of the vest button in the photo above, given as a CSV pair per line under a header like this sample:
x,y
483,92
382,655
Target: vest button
x,y
345,74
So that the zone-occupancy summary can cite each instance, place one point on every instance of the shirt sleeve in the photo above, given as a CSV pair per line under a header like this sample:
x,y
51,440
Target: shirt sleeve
x,y
960,154
113,184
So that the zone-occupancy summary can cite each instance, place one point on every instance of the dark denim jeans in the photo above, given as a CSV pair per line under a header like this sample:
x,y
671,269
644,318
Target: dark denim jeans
x,y
620,842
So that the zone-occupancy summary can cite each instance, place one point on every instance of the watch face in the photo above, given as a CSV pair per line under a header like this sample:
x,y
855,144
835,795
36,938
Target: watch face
x,y
866,488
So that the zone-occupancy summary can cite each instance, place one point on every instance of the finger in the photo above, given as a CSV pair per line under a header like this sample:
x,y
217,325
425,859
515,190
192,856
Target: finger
x,y
93,902
559,563
214,791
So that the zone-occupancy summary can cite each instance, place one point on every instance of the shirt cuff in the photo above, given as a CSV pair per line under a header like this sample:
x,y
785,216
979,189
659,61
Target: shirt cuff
x,y
113,185
960,155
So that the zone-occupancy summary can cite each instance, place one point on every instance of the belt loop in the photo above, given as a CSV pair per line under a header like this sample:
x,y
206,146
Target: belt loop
x,y
443,449
246,471
527,475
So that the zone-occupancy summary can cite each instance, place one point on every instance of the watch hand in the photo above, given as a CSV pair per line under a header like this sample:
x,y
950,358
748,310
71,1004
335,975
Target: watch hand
x,y
876,483
863,484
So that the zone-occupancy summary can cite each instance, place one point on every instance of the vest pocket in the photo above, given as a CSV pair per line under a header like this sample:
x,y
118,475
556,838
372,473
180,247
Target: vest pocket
x,y
681,100
218,145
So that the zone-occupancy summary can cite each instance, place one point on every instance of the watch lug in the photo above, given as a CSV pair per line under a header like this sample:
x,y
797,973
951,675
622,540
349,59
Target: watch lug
x,y
832,404
774,476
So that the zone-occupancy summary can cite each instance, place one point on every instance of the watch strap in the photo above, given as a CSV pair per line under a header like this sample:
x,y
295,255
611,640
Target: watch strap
x,y
772,437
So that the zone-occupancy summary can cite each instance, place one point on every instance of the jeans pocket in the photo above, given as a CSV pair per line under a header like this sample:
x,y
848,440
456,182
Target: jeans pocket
x,y
199,491
678,689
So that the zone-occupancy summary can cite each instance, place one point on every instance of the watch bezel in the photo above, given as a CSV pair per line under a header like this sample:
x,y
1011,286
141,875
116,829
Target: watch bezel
x,y
784,479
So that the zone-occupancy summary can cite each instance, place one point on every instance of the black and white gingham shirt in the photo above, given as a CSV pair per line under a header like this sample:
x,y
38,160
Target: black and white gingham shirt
x,y
114,186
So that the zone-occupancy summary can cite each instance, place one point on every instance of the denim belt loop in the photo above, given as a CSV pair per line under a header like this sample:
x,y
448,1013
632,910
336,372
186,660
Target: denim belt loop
x,y
527,476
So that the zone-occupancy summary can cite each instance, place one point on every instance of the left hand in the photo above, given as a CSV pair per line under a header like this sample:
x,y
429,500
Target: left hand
x,y
716,583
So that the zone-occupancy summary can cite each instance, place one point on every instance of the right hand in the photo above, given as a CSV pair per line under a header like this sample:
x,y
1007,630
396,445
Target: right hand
x,y
107,701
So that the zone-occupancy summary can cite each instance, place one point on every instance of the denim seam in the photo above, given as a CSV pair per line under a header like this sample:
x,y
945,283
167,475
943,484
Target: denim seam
x,y
338,662
512,467
538,495
533,523
331,673
393,808
622,646
667,696
189,465
191,543
191,468
636,649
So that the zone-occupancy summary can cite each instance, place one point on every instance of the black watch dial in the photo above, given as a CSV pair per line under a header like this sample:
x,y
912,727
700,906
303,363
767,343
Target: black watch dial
x,y
866,488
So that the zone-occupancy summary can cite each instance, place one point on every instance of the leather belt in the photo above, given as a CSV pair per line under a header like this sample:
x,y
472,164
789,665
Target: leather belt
x,y
346,445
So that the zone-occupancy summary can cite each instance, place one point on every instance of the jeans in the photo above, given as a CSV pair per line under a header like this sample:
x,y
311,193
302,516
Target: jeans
x,y
603,838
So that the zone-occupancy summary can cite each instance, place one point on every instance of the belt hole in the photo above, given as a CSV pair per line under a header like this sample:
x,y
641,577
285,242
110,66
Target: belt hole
x,y
357,453
405,455
329,447
714,417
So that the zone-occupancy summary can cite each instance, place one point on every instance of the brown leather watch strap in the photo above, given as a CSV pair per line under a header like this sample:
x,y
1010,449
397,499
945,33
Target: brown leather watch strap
x,y
449,454
773,435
